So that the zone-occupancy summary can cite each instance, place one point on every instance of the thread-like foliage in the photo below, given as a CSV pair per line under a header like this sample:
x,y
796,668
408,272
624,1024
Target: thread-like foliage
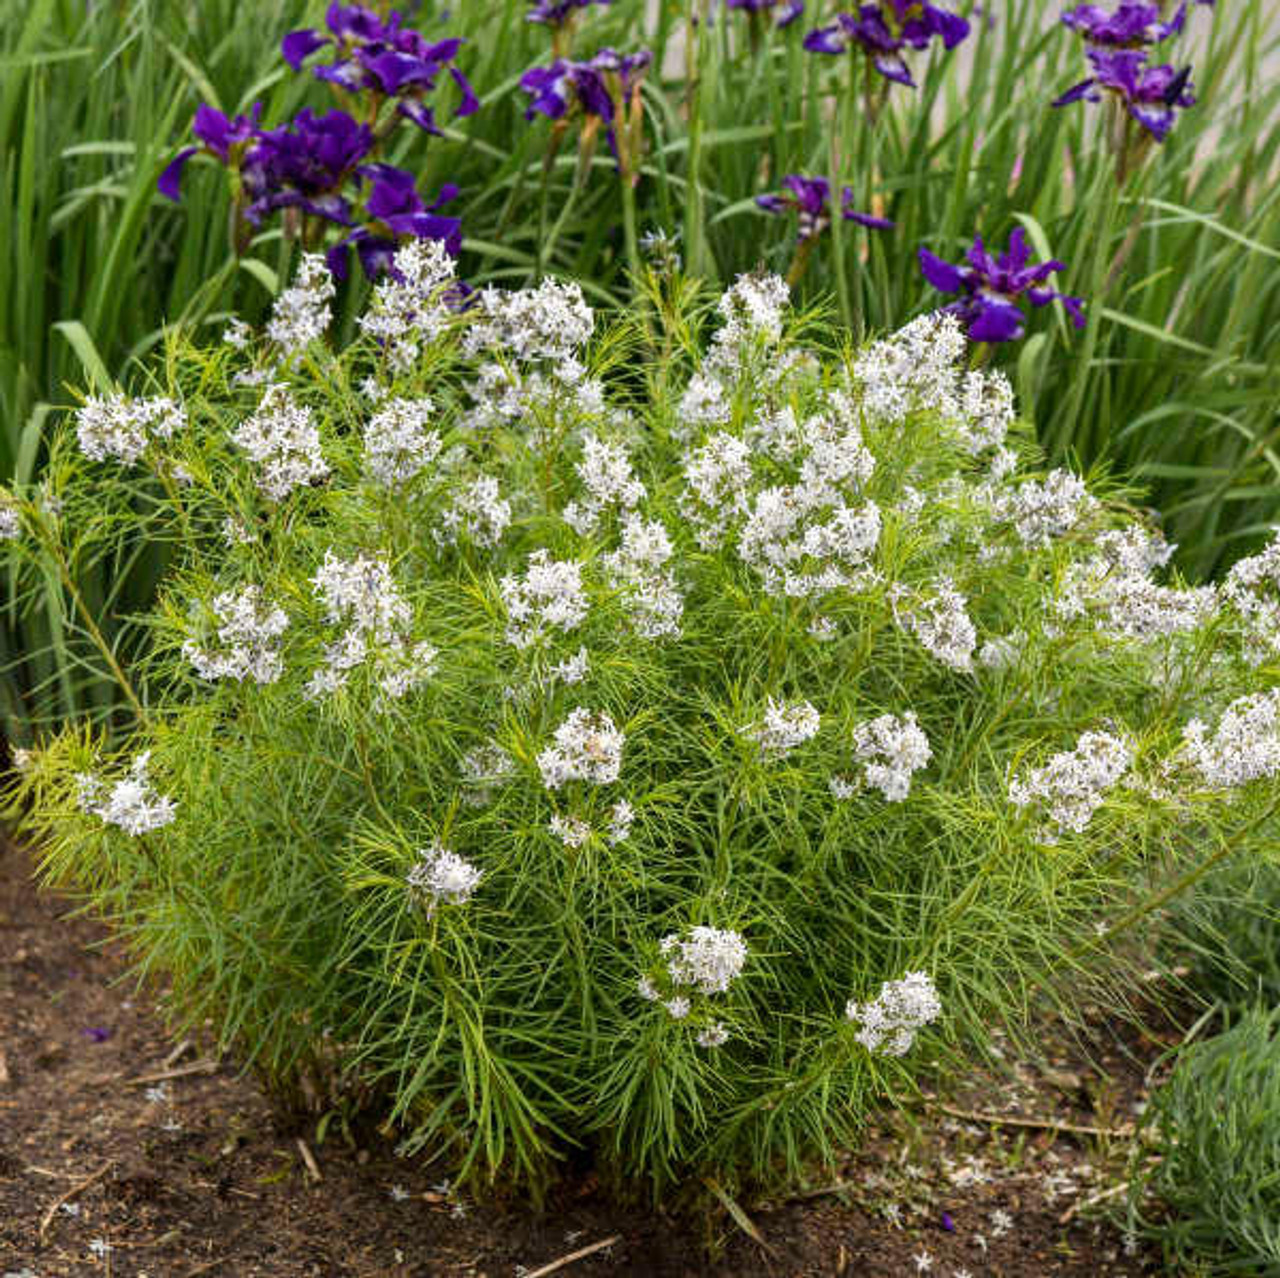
x,y
620,739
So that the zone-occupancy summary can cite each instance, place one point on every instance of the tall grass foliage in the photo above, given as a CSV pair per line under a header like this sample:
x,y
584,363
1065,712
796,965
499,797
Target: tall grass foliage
x,y
622,740
95,263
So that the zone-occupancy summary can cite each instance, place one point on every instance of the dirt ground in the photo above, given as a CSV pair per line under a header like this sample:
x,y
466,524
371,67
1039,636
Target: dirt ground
x,y
109,1169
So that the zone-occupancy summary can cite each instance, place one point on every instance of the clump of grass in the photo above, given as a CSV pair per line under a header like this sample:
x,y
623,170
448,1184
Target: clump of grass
x,y
1212,1200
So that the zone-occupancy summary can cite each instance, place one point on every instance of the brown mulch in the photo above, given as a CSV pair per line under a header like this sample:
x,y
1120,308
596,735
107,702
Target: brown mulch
x,y
105,1173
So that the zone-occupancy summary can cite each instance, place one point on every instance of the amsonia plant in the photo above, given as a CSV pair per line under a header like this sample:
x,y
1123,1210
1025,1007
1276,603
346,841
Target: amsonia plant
x,y
627,742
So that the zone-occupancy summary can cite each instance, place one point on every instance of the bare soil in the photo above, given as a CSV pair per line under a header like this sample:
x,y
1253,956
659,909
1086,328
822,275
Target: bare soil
x,y
105,1170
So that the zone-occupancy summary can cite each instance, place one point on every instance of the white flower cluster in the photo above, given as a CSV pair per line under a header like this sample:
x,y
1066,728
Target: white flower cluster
x,y
249,631
800,555
805,539
1246,745
890,748
572,831
131,803
1073,785
622,817
588,747
120,426
638,570
10,517
892,1019
1252,589
705,402
549,595
605,470
835,460
752,311
785,726
709,958
940,622
361,591
1003,651
913,369
237,334
235,532
477,513
485,769
284,442
408,306
301,312
550,321
717,478
1128,605
573,669
1041,512
986,411
1114,588
1133,550
362,594
510,396
442,876
397,444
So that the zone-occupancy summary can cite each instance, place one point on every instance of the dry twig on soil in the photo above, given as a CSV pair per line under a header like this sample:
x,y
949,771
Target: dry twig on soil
x,y
79,1188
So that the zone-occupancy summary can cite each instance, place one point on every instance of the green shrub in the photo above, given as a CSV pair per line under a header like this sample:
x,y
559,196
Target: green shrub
x,y
1213,1199
626,742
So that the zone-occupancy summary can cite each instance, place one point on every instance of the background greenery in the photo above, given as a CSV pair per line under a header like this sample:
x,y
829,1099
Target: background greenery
x,y
1175,380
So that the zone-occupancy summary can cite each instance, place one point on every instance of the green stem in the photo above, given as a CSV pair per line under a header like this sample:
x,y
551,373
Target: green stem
x,y
1189,879
629,229
694,222
100,642
799,262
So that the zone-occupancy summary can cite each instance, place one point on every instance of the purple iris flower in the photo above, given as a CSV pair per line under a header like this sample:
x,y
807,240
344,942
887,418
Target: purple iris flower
x,y
394,209
1132,25
304,165
787,11
810,197
600,88
555,13
384,57
218,136
1151,95
555,88
991,287
883,29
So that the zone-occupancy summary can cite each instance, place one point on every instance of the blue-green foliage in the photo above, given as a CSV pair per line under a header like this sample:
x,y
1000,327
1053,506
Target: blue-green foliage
x,y
1213,1199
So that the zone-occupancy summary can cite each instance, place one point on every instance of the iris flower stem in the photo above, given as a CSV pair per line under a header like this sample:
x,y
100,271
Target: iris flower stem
x,y
629,231
548,164
799,261
1125,251
547,245
1101,204
693,220
981,354
840,136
